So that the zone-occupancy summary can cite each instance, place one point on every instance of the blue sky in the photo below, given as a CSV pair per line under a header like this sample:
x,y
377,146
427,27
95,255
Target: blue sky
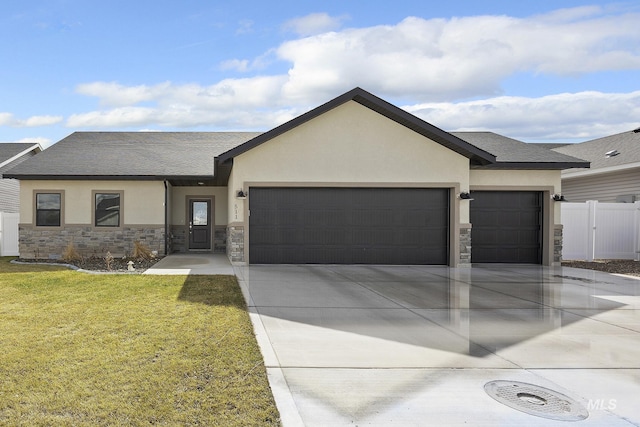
x,y
539,71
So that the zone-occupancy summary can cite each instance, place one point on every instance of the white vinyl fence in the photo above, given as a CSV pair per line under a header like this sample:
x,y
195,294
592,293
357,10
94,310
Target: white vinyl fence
x,y
9,234
594,230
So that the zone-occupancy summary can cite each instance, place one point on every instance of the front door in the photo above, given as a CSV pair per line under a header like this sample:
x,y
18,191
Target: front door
x,y
200,224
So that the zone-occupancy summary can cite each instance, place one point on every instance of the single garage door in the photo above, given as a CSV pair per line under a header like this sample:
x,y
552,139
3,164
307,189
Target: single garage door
x,y
348,226
506,226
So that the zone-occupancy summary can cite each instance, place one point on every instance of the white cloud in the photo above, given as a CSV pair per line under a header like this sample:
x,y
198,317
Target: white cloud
x,y
237,104
8,119
36,121
123,116
562,116
459,58
254,104
240,65
314,23
115,94
436,64
245,65
227,119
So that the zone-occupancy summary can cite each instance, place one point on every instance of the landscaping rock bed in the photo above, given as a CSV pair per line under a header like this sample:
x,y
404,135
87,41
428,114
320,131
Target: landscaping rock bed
x,y
117,265
617,266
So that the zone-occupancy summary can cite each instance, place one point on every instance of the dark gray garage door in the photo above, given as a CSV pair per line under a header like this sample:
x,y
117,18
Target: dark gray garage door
x,y
348,226
506,226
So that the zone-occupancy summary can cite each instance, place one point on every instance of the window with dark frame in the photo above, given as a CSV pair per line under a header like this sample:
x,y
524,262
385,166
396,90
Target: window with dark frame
x,y
48,209
107,207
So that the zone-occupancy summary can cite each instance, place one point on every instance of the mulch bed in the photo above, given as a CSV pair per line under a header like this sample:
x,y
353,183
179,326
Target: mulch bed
x,y
618,266
118,265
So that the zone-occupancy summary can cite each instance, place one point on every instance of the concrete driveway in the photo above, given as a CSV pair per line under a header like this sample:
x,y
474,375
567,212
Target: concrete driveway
x,y
408,346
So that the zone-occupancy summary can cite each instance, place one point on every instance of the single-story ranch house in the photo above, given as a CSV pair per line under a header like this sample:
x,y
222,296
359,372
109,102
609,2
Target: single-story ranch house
x,y
353,181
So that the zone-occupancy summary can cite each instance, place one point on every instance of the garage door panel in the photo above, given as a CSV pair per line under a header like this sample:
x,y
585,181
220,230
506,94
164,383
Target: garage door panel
x,y
348,225
482,235
318,237
506,226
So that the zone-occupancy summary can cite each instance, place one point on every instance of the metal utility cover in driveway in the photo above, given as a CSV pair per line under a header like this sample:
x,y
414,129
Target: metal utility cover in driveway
x,y
535,400
348,225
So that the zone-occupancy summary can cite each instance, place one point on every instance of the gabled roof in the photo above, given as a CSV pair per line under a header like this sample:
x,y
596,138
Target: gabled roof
x,y
626,144
513,154
184,157
131,155
12,151
476,155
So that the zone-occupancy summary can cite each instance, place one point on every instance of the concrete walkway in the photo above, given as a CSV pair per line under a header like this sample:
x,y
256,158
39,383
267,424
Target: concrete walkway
x,y
192,264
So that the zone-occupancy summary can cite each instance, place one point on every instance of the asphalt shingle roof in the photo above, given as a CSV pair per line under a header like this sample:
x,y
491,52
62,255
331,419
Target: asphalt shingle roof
x,y
549,145
11,149
132,154
159,155
626,143
512,151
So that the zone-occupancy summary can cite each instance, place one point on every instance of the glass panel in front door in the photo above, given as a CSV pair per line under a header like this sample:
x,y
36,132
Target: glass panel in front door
x,y
199,213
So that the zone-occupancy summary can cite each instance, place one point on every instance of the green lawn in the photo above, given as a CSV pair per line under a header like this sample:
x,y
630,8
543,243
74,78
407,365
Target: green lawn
x,y
85,350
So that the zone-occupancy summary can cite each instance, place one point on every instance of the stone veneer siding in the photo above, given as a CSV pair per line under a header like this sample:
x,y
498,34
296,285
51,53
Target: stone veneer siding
x,y
235,243
220,239
179,241
465,247
557,244
43,243
178,238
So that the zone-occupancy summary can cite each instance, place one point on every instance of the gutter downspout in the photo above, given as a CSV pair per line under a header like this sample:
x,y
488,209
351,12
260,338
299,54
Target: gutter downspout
x,y
166,216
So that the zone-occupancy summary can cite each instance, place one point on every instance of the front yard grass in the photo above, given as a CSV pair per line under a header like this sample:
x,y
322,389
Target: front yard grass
x,y
86,350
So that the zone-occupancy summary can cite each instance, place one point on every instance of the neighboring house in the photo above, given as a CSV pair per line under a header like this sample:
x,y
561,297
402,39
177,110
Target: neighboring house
x,y
614,175
11,154
356,180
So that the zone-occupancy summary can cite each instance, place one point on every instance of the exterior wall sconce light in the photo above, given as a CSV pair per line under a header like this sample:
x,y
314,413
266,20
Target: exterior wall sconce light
x,y
465,196
241,194
558,198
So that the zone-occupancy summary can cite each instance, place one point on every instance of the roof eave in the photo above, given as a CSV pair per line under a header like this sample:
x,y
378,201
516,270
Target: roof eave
x,y
535,165
33,177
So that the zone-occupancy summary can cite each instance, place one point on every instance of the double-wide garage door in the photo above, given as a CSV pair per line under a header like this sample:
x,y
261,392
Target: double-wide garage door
x,y
348,225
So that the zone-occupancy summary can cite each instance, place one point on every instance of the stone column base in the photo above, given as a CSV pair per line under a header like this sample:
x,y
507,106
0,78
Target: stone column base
x,y
557,244
235,243
465,247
